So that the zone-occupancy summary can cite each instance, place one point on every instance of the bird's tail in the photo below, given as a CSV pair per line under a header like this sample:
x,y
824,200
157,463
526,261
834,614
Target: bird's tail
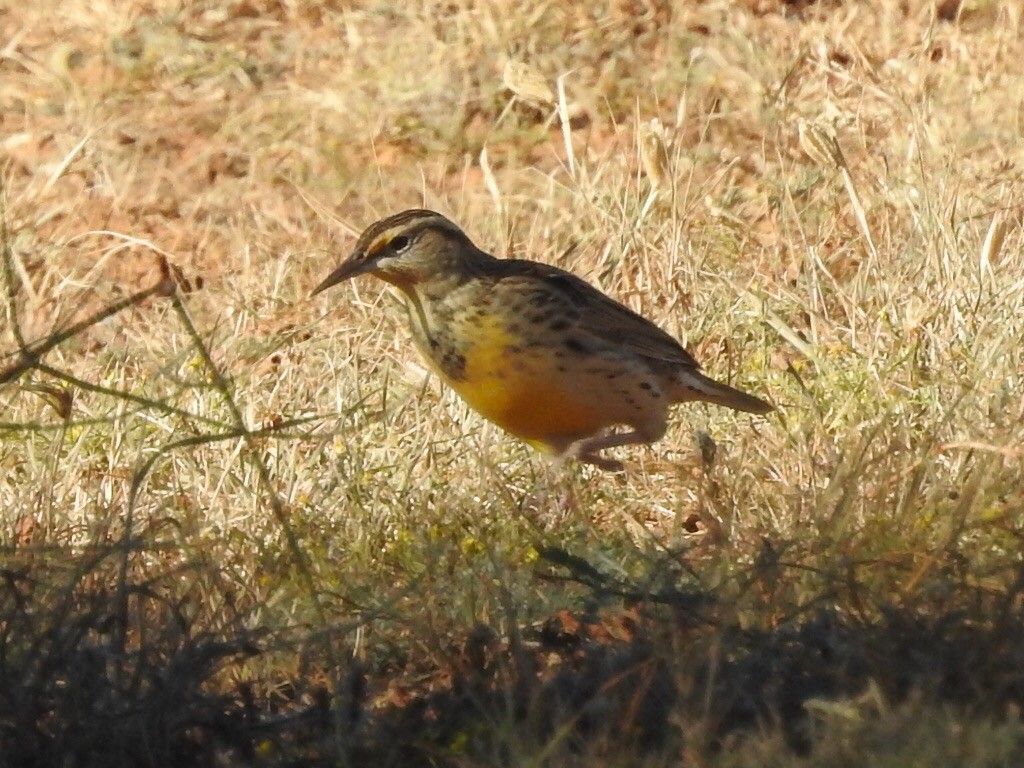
x,y
693,385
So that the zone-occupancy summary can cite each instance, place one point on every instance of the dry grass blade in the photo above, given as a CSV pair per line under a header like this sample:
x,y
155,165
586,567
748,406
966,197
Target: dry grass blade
x,y
654,153
491,182
858,211
565,119
993,244
31,353
785,330
821,145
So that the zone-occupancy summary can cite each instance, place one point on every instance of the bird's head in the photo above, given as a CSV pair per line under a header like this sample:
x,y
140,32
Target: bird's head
x,y
406,249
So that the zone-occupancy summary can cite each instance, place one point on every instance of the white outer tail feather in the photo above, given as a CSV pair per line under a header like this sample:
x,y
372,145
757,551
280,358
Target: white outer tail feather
x,y
693,385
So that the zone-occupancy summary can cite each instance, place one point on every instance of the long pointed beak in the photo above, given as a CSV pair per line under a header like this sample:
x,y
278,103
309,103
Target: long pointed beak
x,y
350,267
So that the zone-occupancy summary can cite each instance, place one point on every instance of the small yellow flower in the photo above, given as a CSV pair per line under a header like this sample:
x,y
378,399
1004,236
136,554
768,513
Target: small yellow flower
x,y
459,743
470,545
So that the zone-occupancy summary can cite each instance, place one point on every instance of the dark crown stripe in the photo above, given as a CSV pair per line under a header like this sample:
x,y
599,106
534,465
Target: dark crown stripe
x,y
406,221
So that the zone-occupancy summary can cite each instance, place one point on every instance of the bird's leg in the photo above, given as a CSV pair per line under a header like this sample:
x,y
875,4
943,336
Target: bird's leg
x,y
552,498
586,450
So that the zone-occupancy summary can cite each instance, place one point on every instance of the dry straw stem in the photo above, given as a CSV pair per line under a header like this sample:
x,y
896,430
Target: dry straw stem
x,y
654,159
30,353
565,118
785,330
654,153
993,244
491,182
821,145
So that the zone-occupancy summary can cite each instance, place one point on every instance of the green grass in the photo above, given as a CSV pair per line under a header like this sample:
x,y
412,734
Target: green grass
x,y
242,525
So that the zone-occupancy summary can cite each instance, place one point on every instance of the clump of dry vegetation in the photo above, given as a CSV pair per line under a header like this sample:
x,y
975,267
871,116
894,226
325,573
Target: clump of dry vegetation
x,y
240,525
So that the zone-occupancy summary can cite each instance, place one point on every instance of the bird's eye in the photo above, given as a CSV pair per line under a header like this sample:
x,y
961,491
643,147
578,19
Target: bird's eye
x,y
399,244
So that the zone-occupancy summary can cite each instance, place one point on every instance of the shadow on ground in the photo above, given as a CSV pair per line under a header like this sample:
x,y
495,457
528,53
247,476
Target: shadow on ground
x,y
93,673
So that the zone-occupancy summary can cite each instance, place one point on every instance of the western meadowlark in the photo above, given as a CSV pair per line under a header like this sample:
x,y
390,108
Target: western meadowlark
x,y
535,349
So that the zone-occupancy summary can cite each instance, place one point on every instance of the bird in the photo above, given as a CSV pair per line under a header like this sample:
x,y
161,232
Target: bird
x,y
533,348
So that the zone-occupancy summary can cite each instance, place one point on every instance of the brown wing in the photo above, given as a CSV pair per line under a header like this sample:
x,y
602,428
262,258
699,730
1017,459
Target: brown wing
x,y
597,315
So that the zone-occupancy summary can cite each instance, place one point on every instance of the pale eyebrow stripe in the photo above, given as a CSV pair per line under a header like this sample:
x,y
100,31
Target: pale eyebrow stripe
x,y
378,244
411,223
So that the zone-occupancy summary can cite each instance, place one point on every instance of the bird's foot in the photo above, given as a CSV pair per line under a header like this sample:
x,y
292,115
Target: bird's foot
x,y
608,465
578,451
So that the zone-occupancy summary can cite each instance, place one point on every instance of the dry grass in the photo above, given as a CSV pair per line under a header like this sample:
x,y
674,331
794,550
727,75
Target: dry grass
x,y
366,571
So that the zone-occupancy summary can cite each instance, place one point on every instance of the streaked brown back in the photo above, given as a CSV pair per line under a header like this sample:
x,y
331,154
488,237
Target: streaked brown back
x,y
599,315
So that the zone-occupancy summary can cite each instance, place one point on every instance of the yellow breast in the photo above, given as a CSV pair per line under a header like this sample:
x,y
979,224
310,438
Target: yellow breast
x,y
527,391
